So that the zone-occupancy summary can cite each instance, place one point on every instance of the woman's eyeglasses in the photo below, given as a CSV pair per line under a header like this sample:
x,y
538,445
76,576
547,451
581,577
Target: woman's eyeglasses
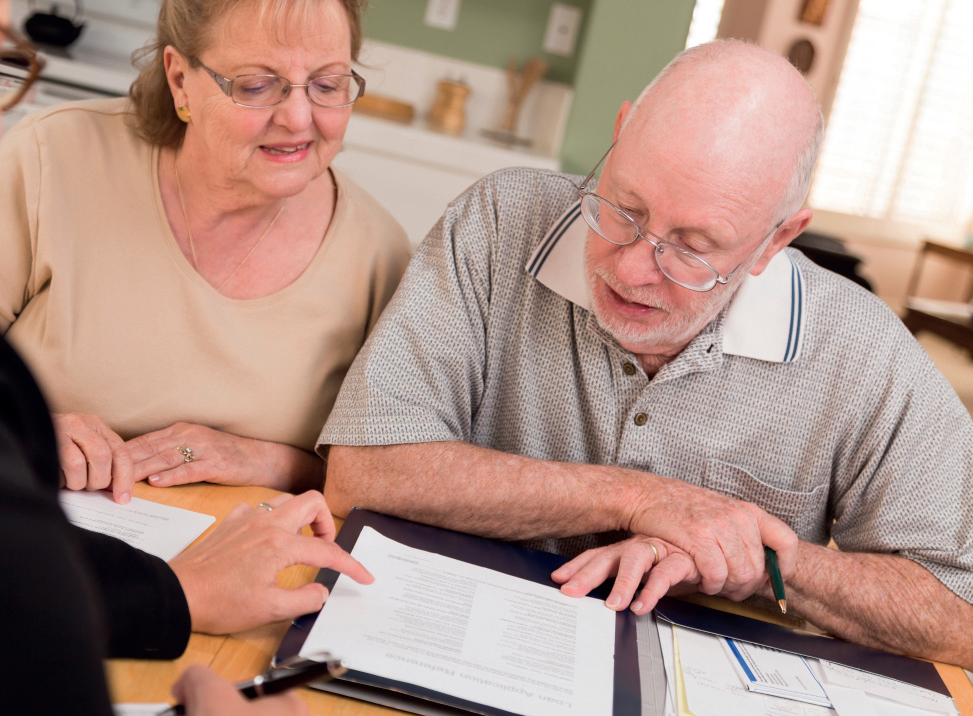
x,y
260,91
19,67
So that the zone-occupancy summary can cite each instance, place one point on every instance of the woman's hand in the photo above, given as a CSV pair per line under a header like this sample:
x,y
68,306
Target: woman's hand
x,y
203,693
629,561
186,452
93,456
230,578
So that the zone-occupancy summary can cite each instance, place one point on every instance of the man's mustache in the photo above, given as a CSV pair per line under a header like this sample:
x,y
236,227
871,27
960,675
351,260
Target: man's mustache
x,y
643,297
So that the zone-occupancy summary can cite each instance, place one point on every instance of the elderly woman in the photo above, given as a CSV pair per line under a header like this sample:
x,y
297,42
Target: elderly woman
x,y
152,605
182,269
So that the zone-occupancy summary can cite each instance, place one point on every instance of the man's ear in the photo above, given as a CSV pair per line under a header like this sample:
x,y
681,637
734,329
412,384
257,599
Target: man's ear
x,y
789,230
175,66
620,119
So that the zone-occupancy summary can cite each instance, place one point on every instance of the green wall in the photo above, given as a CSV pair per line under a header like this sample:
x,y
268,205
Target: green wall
x,y
488,32
621,46
625,45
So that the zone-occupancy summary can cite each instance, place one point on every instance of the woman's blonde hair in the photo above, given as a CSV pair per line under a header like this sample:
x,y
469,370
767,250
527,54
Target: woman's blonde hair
x,y
185,24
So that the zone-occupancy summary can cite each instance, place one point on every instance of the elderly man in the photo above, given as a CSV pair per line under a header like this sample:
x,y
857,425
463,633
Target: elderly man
x,y
647,373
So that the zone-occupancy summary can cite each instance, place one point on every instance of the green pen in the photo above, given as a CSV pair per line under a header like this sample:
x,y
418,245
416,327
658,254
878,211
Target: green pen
x,y
776,581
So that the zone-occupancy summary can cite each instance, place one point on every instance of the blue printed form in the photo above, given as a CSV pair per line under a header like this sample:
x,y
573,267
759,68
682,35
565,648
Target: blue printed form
x,y
777,673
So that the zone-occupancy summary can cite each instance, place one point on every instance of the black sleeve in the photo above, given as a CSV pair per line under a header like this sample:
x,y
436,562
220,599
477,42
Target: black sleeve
x,y
147,613
51,641
53,636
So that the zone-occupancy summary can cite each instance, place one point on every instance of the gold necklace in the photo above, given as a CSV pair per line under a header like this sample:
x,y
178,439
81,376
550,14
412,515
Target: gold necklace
x,y
192,246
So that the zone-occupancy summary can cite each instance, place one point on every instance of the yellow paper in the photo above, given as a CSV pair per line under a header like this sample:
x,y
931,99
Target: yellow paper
x,y
682,703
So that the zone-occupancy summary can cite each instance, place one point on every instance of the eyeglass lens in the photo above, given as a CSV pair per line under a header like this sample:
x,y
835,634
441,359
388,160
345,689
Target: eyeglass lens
x,y
15,70
678,265
266,90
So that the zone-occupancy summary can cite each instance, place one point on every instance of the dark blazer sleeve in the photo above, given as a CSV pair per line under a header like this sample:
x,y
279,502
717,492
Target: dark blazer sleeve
x,y
147,613
52,638
57,579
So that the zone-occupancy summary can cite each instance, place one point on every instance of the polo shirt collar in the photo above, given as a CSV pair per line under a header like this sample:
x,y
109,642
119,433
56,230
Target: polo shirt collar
x,y
765,319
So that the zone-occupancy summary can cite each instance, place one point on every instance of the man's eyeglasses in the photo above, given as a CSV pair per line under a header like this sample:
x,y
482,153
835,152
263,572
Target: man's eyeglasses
x,y
258,91
19,67
677,264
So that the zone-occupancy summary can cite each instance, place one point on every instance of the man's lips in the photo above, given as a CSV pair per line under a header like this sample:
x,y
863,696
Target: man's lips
x,y
620,304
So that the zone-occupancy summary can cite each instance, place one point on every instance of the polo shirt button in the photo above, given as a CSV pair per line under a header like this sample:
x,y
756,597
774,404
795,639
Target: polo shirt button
x,y
628,369
641,419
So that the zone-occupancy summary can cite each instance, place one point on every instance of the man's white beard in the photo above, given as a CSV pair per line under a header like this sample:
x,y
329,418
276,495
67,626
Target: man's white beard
x,y
679,327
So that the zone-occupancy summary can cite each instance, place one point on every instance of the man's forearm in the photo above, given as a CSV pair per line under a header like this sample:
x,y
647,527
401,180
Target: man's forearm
x,y
465,487
881,600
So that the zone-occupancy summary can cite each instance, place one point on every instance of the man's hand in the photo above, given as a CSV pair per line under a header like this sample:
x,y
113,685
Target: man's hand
x,y
724,537
205,694
230,578
629,561
92,456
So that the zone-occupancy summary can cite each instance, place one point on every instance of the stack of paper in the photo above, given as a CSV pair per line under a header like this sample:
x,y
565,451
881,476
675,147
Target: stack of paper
x,y
708,675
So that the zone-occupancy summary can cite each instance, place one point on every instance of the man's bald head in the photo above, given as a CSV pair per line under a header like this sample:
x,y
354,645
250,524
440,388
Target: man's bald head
x,y
740,109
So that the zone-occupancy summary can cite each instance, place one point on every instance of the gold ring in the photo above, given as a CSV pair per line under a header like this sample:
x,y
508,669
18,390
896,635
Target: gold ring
x,y
266,506
656,552
187,453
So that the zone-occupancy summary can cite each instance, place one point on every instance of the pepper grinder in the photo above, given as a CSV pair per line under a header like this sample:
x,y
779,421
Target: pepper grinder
x,y
448,113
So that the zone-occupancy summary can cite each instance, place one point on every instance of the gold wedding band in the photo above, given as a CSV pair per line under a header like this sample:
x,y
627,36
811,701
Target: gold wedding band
x,y
656,552
186,452
266,506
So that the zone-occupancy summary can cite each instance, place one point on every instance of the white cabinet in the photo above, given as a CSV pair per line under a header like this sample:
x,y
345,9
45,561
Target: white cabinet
x,y
415,173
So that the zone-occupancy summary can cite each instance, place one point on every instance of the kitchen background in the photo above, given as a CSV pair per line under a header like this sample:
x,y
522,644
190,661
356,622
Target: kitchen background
x,y
424,142
567,117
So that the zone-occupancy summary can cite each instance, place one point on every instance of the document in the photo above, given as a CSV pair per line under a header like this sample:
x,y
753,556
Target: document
x,y
139,709
652,669
470,632
157,529
880,686
716,685
713,687
668,657
775,672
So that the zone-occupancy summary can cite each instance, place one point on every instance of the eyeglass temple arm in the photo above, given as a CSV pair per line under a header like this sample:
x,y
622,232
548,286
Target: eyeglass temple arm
x,y
223,82
587,179
761,245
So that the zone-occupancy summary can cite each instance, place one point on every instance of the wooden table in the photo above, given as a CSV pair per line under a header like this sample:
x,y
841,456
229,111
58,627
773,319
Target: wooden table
x,y
240,656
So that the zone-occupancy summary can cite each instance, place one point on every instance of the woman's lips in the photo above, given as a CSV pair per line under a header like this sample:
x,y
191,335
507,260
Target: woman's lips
x,y
287,152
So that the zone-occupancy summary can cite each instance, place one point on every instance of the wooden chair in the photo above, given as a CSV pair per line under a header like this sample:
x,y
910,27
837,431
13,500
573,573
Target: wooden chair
x,y
949,319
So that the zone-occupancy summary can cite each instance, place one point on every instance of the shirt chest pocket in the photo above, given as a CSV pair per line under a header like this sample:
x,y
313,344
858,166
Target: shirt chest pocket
x,y
805,512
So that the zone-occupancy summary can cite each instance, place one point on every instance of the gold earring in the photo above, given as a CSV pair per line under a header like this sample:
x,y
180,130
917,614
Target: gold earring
x,y
182,111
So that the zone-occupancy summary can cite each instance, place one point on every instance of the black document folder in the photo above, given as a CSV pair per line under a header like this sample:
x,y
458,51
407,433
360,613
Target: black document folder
x,y
503,557
536,567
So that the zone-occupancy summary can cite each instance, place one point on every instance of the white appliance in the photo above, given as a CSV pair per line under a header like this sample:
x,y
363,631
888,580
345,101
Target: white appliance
x,y
98,64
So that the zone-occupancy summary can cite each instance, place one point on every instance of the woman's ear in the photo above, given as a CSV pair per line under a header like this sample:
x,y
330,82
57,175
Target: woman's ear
x,y
176,66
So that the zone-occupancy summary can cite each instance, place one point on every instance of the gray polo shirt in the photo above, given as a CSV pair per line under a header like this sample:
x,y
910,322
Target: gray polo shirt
x,y
805,396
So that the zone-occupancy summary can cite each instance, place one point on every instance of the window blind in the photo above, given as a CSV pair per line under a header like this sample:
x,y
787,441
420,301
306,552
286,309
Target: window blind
x,y
899,141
